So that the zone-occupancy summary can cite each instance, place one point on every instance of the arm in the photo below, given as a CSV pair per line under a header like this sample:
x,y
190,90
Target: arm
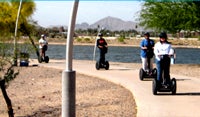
x,y
142,45
106,45
98,44
156,52
40,43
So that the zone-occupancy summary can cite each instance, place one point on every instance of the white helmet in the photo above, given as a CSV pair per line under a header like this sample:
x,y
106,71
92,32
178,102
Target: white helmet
x,y
42,35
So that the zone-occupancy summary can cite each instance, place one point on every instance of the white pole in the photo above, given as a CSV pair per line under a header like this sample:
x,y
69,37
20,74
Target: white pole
x,y
15,42
68,75
70,35
94,53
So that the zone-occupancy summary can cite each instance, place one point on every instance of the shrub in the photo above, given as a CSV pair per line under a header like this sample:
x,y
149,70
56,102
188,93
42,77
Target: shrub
x,y
79,39
121,39
87,39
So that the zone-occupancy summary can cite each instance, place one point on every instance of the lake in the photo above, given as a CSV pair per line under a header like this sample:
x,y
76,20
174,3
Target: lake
x,y
119,54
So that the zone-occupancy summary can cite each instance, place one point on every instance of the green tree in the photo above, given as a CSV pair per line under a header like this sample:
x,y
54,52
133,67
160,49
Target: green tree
x,y
8,17
8,14
170,15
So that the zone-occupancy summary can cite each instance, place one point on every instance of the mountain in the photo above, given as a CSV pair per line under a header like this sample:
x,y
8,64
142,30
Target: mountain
x,y
112,24
83,26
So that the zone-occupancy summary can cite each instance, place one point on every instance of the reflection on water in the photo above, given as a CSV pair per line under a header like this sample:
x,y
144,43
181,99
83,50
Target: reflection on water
x,y
119,54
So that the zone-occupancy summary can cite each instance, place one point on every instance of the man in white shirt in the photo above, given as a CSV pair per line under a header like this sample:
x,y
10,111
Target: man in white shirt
x,y
43,45
162,55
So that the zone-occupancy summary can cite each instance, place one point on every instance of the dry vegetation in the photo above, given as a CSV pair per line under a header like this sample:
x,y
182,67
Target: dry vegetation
x,y
125,42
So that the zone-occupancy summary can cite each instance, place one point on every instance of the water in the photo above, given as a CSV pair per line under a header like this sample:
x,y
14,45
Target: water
x,y
119,54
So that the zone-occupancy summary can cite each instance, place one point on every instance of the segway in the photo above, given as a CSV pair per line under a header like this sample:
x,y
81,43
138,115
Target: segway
x,y
147,74
102,65
45,59
164,86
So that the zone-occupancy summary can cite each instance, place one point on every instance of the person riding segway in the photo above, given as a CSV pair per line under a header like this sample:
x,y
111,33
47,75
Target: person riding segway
x,y
163,82
147,46
103,48
43,46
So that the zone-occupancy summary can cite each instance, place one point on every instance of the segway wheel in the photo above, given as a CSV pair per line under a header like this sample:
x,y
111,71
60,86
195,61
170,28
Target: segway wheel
x,y
40,59
155,86
173,86
106,65
141,74
97,65
46,59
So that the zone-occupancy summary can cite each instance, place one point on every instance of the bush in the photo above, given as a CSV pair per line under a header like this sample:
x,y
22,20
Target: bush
x,y
121,39
87,39
79,39
199,38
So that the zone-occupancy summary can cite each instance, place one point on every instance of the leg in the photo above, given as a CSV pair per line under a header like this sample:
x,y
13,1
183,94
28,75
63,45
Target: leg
x,y
159,70
102,57
144,63
151,64
162,66
43,53
40,52
167,69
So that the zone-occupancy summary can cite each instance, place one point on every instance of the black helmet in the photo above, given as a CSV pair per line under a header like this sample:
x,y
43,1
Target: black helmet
x,y
147,34
100,34
163,35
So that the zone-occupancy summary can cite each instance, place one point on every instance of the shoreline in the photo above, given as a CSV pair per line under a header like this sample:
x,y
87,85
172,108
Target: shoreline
x,y
121,45
127,42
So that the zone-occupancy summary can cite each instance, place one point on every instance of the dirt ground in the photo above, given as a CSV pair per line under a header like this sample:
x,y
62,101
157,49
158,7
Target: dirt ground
x,y
36,92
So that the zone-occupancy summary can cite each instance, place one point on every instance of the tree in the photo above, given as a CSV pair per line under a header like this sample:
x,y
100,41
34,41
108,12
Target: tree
x,y
7,73
169,15
8,16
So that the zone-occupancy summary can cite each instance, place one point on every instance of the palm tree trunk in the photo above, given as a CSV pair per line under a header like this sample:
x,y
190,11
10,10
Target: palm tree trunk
x,y
35,47
26,31
7,99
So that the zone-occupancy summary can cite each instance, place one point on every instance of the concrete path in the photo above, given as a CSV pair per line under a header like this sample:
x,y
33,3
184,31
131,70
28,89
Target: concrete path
x,y
186,103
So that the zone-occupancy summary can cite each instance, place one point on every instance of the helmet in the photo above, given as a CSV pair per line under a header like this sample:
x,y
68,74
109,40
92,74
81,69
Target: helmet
x,y
100,34
163,35
147,34
42,35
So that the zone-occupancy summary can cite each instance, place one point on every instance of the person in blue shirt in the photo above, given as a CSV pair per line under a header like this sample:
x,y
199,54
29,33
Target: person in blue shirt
x,y
147,46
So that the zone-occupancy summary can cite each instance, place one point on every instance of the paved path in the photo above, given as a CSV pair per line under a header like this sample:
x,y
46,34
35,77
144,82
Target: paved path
x,y
186,103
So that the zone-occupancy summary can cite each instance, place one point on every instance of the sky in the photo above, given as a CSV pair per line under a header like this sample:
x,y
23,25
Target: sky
x,y
53,13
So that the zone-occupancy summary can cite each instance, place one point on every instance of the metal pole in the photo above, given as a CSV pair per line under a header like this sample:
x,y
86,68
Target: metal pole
x,y
15,42
68,75
95,44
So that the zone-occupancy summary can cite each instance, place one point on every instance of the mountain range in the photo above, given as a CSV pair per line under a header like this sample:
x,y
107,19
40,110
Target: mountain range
x,y
112,24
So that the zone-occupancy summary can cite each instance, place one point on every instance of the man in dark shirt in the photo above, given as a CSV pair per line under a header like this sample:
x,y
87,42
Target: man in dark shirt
x,y
102,45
